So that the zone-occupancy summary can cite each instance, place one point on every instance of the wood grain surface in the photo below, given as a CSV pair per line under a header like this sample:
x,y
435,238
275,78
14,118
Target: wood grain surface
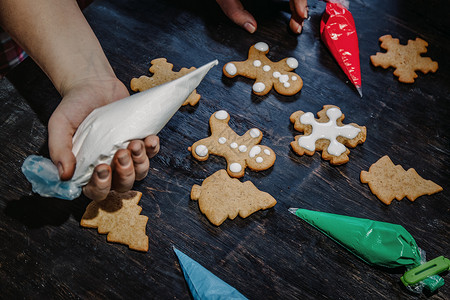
x,y
45,254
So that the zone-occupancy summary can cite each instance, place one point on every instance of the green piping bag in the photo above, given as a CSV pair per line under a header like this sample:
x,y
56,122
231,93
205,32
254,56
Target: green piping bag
x,y
378,243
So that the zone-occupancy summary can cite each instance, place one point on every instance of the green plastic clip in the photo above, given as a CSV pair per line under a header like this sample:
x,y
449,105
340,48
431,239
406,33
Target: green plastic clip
x,y
433,267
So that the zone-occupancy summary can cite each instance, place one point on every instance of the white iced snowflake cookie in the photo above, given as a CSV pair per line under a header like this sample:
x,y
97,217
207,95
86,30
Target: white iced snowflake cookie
x,y
327,134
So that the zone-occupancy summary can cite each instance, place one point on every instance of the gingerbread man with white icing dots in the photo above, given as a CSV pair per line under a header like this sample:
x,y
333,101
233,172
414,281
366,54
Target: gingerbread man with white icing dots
x,y
239,151
267,74
327,134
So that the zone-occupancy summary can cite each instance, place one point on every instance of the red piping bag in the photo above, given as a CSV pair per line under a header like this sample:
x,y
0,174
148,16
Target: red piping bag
x,y
338,32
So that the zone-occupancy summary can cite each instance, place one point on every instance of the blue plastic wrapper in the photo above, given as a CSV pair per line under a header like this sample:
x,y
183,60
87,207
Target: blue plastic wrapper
x,y
44,178
202,283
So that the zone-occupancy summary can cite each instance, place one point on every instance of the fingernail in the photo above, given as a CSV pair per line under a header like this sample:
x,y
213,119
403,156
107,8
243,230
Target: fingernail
x,y
103,173
249,27
60,169
124,160
136,151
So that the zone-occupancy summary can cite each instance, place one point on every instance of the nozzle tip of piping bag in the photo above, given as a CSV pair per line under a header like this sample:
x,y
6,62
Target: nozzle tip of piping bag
x,y
359,89
293,210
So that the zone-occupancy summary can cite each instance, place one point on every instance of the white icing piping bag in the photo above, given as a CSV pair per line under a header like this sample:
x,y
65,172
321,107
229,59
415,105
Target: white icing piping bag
x,y
112,127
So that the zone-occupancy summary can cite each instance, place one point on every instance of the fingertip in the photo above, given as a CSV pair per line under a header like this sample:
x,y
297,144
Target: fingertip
x,y
100,183
66,166
136,147
152,145
295,26
249,27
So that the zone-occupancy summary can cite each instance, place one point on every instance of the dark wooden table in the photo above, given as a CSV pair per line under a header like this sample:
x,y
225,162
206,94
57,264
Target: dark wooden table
x,y
45,254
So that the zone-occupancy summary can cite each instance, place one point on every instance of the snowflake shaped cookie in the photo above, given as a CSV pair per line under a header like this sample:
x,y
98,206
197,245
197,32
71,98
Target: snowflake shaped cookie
x,y
267,74
327,134
239,151
405,59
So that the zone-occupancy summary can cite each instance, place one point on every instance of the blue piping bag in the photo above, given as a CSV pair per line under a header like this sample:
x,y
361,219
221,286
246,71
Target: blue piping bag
x,y
203,284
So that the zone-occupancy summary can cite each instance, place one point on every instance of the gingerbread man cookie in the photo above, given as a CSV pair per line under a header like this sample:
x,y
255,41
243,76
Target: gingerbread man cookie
x,y
239,151
267,74
327,134
162,73
405,59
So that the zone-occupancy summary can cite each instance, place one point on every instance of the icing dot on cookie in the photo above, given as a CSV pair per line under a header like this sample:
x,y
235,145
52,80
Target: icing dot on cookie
x,y
261,46
235,167
259,159
276,74
201,150
259,87
294,78
292,62
222,140
242,148
283,78
231,69
221,114
254,151
266,68
234,145
267,151
254,132
257,63
286,84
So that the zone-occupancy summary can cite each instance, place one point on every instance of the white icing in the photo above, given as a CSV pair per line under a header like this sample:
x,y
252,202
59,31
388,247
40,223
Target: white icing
x,y
235,168
267,151
286,84
292,62
242,148
259,87
254,132
231,69
221,114
283,78
201,150
259,159
329,130
266,68
261,46
257,63
276,74
294,78
254,151
234,145
222,140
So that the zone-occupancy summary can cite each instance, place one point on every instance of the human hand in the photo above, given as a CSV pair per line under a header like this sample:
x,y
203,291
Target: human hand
x,y
128,165
236,12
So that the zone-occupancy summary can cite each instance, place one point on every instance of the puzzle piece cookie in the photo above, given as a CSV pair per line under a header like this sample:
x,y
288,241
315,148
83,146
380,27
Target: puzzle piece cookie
x,y
119,216
267,74
162,73
388,182
221,197
405,59
327,134
239,151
